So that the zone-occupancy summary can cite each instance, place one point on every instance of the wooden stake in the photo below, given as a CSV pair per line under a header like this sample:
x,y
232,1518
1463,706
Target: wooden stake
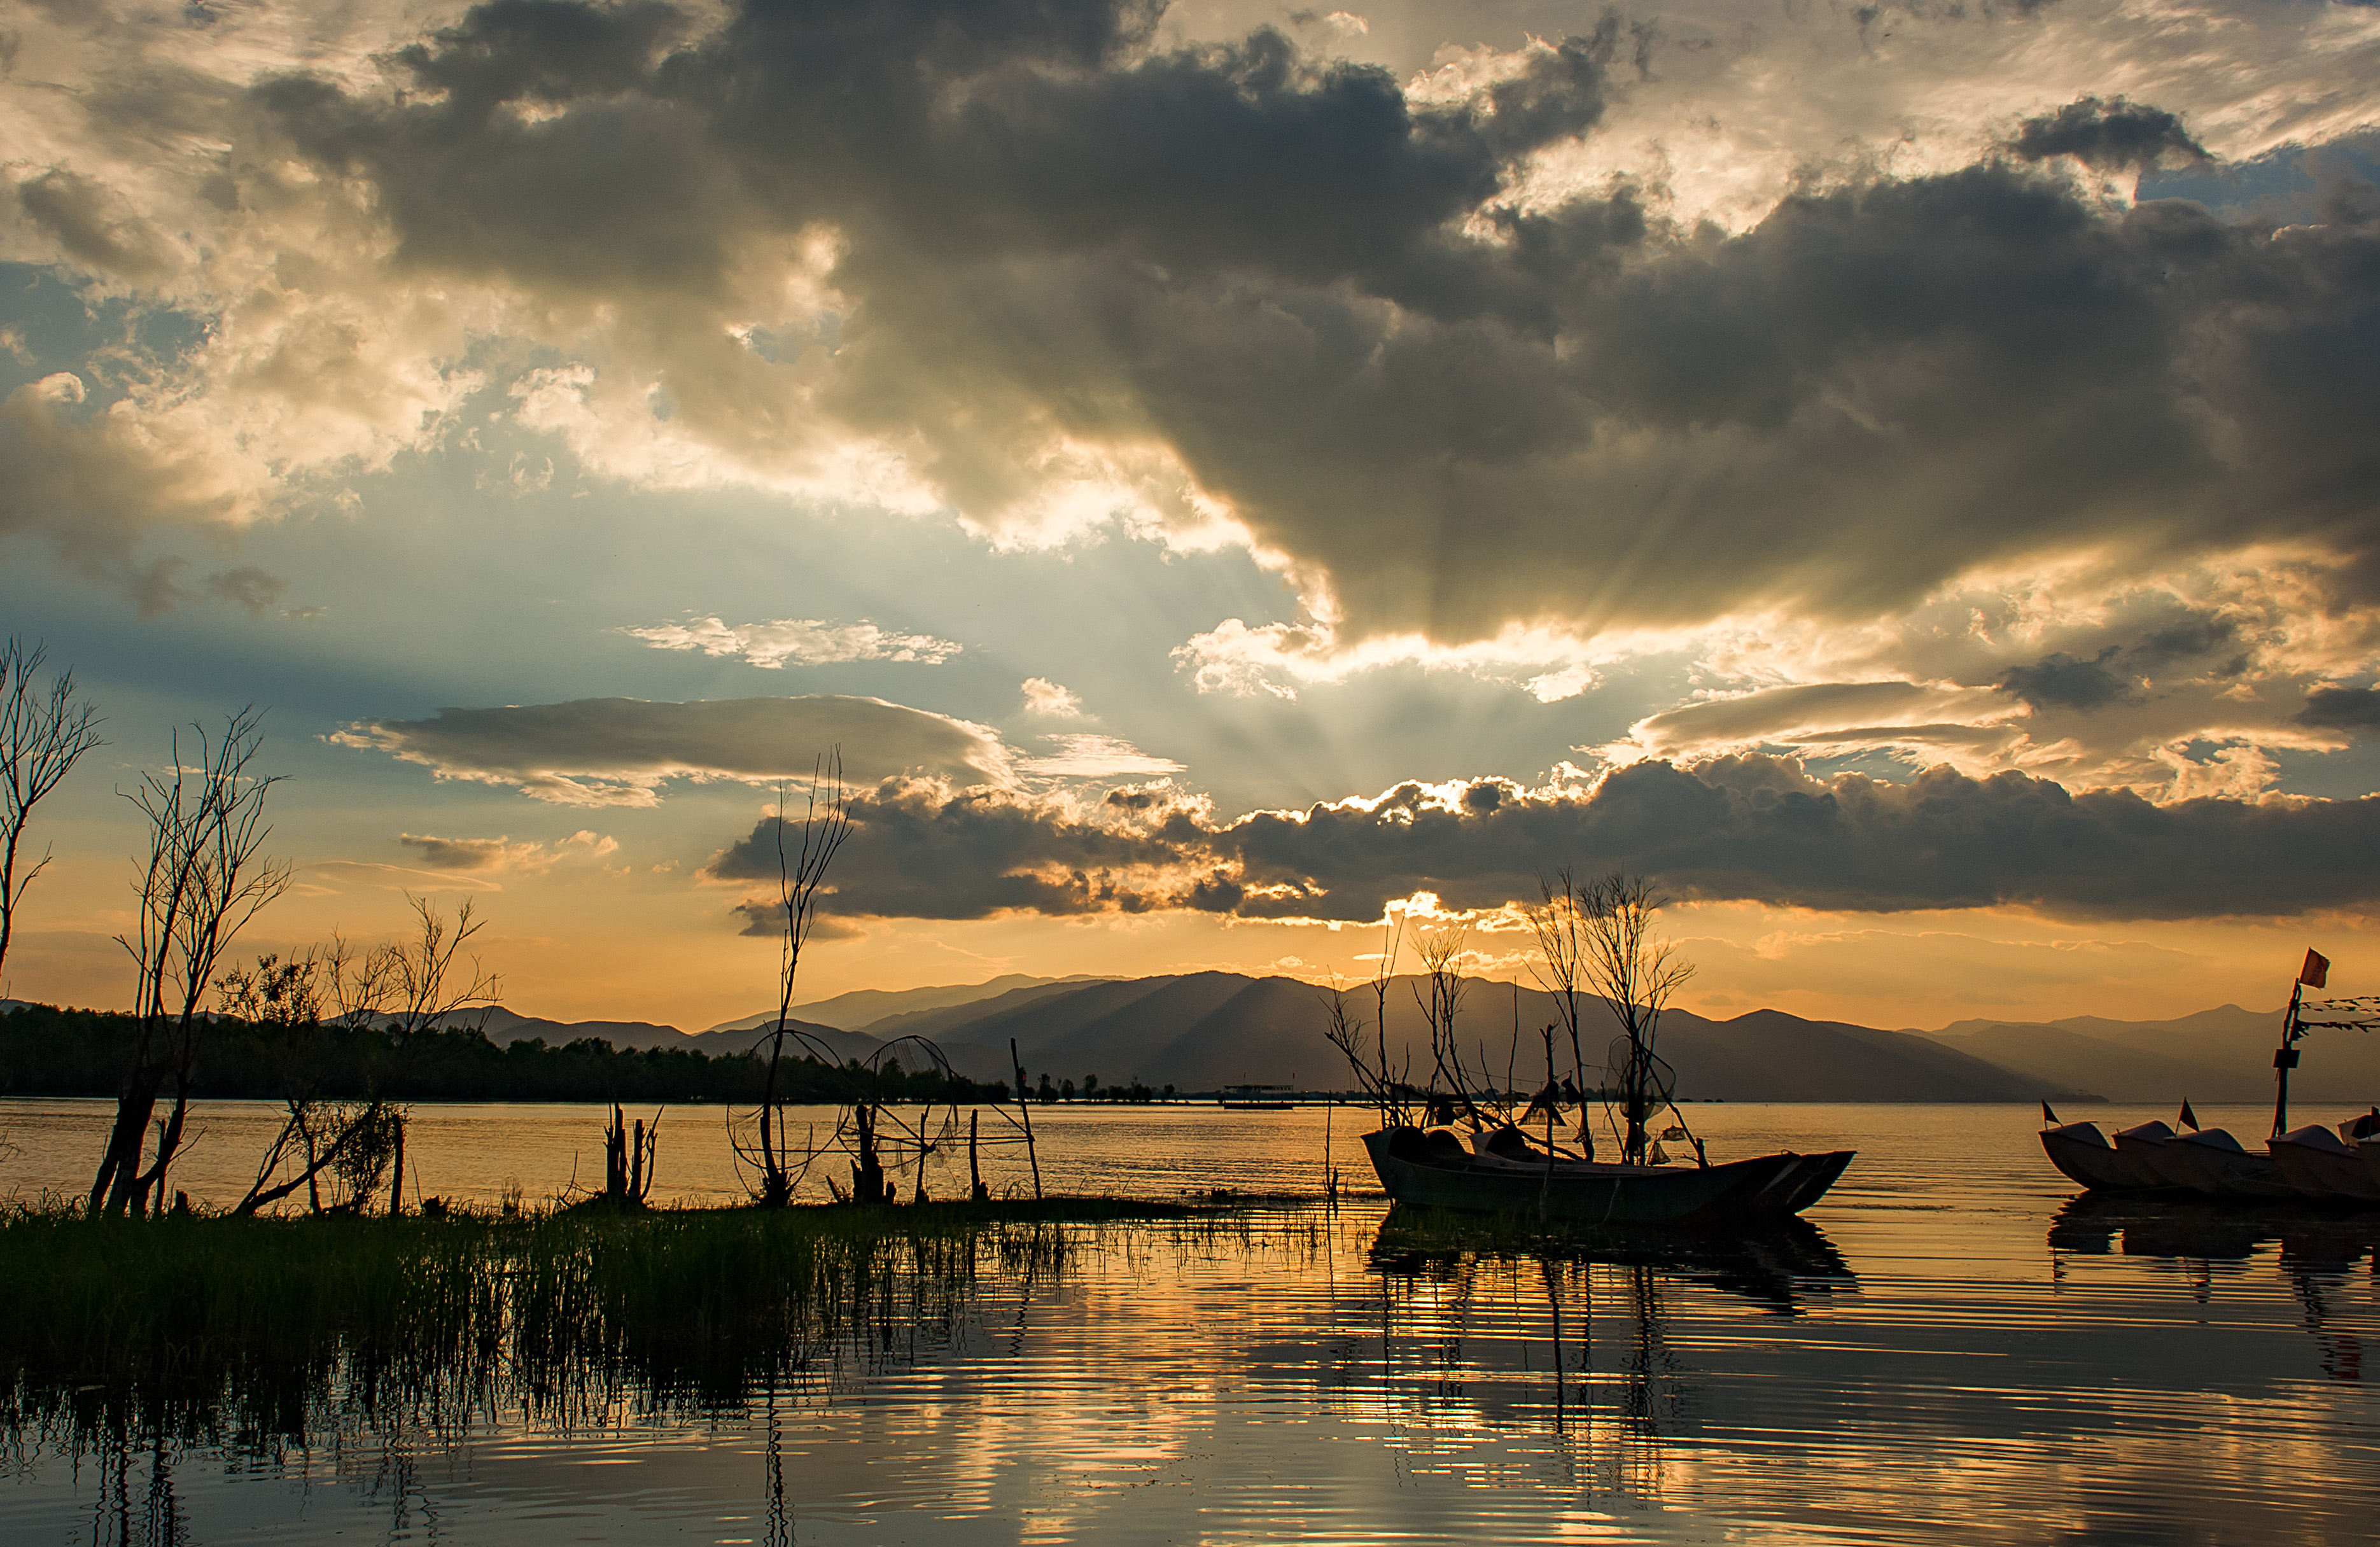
x,y
1025,1105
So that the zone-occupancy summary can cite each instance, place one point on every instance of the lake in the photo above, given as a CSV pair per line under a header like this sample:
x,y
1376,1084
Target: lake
x,y
1953,1350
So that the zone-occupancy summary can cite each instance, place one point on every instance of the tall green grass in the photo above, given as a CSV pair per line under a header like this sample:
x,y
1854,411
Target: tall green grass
x,y
247,1330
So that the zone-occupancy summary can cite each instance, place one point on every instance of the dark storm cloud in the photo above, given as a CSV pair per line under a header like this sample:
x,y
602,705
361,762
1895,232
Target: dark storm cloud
x,y
2115,675
1745,828
917,851
1315,290
2108,137
2062,682
2356,708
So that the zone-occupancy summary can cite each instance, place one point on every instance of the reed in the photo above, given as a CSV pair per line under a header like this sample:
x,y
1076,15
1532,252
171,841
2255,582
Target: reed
x,y
247,1330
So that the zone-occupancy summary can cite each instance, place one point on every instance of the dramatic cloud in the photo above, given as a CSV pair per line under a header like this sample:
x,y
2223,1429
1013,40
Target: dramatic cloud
x,y
804,642
501,854
1750,828
1623,341
1061,256
2348,709
2108,137
96,488
620,751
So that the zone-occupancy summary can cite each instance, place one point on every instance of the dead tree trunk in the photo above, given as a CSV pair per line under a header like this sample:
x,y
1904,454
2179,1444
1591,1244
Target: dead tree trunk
x,y
203,881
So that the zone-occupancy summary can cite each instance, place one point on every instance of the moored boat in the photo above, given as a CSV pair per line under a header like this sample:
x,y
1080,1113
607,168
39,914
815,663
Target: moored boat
x,y
1434,1168
1596,937
2307,1162
2320,1163
2087,1157
2143,1148
2220,1166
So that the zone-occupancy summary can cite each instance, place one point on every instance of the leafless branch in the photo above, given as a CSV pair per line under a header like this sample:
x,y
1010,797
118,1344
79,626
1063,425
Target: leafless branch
x,y
44,731
203,879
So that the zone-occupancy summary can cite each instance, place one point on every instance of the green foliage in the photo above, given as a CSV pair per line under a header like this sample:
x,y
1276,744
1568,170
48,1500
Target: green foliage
x,y
49,1052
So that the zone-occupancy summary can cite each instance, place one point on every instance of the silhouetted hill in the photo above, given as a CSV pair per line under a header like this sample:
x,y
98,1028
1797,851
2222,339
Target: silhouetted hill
x,y
1204,1030
854,1011
2223,1054
504,1027
936,1021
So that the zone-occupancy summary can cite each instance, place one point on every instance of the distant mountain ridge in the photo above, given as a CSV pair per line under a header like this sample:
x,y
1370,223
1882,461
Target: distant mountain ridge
x,y
860,1008
2223,1054
1206,1030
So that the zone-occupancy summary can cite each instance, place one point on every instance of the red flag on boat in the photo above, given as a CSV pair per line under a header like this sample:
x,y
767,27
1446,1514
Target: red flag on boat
x,y
2317,971
2189,1118
2049,1116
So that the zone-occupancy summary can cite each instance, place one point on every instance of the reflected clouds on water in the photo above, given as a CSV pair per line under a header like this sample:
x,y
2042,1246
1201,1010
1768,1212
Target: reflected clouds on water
x,y
1951,1349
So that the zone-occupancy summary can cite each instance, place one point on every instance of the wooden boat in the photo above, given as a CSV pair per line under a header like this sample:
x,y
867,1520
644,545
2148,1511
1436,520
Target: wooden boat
x,y
2307,1162
2143,1147
1433,1168
2321,1163
1498,1171
2219,1166
2087,1157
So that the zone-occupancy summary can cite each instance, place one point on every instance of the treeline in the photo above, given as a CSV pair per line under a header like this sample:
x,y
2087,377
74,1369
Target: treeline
x,y
50,1051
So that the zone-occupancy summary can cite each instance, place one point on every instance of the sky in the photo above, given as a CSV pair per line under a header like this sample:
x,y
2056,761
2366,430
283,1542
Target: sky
x,y
1223,477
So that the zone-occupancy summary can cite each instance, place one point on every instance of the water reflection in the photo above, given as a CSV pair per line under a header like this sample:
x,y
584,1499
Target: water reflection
x,y
1490,1327
2319,1249
1348,1375
1774,1266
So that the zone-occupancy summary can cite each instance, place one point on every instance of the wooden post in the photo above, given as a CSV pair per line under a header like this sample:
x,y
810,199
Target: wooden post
x,y
976,1189
2285,1058
397,1188
1025,1105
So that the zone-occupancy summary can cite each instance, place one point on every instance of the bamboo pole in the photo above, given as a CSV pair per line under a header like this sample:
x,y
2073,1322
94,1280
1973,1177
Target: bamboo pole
x,y
1025,1106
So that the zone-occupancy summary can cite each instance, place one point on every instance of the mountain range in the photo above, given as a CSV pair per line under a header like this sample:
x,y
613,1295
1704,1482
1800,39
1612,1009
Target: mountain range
x,y
1207,1031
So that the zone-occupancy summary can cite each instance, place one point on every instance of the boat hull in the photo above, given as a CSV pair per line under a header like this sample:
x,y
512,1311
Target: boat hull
x,y
2316,1162
1412,1170
2220,1168
2083,1153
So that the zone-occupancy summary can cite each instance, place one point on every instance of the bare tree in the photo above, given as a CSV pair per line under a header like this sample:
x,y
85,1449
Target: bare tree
x,y
1636,973
420,987
357,987
804,855
1562,930
43,732
316,1136
1450,1083
203,881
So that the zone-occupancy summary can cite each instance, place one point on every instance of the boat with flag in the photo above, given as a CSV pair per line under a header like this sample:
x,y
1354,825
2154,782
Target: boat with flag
x,y
2338,1165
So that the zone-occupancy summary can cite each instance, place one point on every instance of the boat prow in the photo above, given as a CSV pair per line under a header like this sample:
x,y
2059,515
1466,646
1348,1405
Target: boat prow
x,y
2087,1157
1433,1168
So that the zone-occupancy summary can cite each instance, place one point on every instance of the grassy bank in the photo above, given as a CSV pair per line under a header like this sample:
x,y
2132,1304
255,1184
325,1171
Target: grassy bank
x,y
238,1329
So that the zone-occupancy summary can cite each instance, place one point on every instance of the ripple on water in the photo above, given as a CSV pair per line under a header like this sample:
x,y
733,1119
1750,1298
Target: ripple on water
x,y
1953,1353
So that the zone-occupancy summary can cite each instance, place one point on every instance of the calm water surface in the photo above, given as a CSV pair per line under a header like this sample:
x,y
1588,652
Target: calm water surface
x,y
1955,1352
